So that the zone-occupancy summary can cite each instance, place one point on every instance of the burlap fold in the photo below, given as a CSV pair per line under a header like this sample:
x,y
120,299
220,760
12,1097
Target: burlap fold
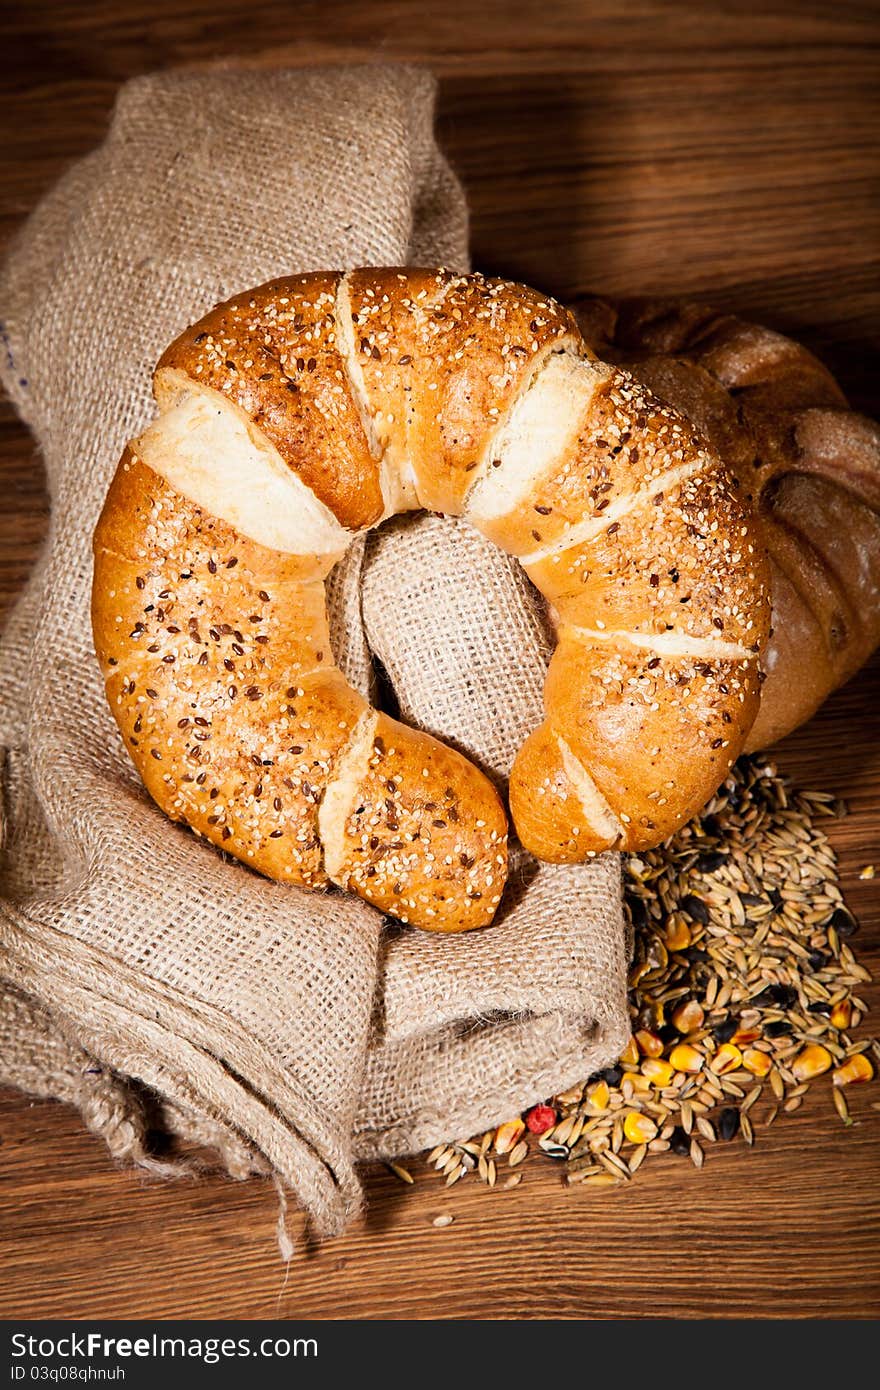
x,y
144,977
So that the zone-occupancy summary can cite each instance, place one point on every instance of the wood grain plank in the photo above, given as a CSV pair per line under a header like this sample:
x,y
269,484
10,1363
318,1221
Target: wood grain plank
x,y
634,146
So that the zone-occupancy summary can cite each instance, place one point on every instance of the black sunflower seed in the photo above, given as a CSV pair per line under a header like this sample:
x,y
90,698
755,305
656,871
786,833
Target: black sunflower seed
x,y
778,1028
679,1142
725,1030
843,922
728,1123
695,908
638,912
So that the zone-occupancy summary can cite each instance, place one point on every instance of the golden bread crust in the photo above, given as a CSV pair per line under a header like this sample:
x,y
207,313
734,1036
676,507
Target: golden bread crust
x,y
422,840
310,408
442,358
274,352
220,675
656,734
809,466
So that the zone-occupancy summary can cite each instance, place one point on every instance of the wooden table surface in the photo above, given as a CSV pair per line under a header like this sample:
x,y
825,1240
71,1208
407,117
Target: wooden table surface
x,y
635,146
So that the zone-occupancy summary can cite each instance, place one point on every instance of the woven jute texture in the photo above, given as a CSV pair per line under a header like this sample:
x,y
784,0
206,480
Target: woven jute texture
x,y
144,978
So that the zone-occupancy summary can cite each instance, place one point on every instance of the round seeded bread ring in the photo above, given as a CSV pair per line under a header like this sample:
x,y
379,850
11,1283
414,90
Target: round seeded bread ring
x,y
296,415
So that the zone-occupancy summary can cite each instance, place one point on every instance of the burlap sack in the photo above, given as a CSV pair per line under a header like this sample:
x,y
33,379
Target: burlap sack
x,y
144,977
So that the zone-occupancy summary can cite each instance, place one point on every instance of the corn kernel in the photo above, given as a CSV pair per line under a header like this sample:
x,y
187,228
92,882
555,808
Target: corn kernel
x,y
678,935
812,1061
745,1035
599,1095
640,1084
658,1013
508,1135
637,972
639,1128
658,1072
630,1054
758,1063
688,1016
727,1058
649,1044
686,1058
841,1014
855,1069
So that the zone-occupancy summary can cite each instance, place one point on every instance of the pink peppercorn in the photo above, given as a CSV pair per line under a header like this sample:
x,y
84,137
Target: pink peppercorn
x,y
540,1118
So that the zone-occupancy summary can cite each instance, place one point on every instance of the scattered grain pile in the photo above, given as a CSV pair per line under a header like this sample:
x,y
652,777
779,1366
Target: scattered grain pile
x,y
743,991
